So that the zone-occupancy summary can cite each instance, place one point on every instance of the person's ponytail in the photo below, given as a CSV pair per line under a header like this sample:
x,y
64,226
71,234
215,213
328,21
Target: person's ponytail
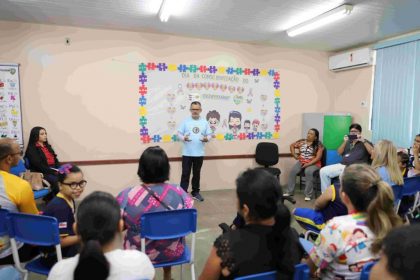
x,y
91,258
381,216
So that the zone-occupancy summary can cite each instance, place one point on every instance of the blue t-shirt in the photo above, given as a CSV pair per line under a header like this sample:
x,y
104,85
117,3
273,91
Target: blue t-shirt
x,y
61,210
196,130
383,172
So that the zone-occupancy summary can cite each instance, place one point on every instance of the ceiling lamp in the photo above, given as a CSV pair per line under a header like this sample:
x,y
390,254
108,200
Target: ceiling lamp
x,y
321,20
166,9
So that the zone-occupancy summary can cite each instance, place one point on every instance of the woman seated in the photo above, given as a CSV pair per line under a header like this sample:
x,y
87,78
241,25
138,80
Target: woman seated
x,y
348,242
153,195
326,207
385,162
309,159
99,226
264,243
63,208
41,157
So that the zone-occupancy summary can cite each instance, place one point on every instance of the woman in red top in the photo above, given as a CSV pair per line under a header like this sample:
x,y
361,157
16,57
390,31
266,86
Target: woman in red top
x,y
309,159
41,157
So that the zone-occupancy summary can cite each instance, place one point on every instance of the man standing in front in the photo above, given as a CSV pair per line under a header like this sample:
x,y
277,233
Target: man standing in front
x,y
194,132
354,149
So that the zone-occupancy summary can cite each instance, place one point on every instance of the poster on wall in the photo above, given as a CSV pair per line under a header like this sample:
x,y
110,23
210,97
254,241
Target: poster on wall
x,y
10,114
238,103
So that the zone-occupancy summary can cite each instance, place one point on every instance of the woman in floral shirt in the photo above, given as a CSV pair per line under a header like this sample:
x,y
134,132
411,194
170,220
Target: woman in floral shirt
x,y
348,242
152,196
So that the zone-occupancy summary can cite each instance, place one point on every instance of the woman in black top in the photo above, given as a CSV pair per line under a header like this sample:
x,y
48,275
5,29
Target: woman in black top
x,y
265,243
41,157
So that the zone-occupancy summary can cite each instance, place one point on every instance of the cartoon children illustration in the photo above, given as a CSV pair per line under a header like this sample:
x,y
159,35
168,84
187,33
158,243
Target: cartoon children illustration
x,y
255,124
235,118
247,125
213,118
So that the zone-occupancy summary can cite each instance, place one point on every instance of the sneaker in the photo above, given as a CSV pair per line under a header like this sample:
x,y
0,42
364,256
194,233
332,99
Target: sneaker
x,y
198,197
287,194
307,198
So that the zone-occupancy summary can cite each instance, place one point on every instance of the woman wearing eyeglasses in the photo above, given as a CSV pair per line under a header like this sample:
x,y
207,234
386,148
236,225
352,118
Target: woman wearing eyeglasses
x,y
62,207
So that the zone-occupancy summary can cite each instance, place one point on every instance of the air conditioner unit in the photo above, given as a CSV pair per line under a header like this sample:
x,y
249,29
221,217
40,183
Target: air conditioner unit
x,y
350,60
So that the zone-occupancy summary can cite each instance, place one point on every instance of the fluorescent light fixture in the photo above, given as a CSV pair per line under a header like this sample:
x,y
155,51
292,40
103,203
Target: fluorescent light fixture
x,y
166,9
321,20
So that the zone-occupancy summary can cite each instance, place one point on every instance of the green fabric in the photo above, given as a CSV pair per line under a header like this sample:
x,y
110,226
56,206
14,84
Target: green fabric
x,y
335,127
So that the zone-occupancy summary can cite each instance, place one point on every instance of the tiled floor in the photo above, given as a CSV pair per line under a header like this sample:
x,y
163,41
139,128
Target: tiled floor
x,y
219,206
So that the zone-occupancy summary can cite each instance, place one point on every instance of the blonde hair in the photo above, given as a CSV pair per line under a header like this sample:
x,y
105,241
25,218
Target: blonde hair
x,y
369,193
385,154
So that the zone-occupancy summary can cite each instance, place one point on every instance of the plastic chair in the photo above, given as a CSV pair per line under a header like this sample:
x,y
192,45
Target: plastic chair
x,y
307,245
271,275
267,154
168,225
364,275
397,190
36,230
301,273
20,168
3,222
411,187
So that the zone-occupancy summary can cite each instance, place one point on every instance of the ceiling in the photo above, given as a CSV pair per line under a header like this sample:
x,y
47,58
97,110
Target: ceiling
x,y
250,21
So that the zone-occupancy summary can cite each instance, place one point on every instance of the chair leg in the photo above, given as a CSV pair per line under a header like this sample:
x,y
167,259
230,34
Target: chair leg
x,y
192,272
182,270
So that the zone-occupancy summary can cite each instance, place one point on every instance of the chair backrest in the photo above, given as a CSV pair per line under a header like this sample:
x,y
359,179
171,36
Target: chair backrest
x,y
411,186
301,272
27,163
33,229
364,275
3,221
267,154
19,168
271,275
168,224
324,157
397,190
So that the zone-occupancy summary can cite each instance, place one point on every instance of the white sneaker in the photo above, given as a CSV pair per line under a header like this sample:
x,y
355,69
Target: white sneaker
x,y
287,195
307,198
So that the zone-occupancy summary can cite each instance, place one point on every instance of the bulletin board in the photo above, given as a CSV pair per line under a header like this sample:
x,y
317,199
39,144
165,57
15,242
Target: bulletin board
x,y
10,106
239,103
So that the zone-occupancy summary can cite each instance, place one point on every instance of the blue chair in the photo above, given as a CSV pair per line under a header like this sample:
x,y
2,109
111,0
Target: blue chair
x,y
19,168
301,273
36,230
397,190
412,187
271,275
364,275
307,246
168,225
3,221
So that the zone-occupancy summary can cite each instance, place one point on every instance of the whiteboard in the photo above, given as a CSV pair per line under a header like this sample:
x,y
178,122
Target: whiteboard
x,y
10,106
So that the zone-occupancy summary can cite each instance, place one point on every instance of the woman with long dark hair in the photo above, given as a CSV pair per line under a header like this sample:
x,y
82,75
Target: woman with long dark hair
x,y
99,225
308,158
42,157
266,241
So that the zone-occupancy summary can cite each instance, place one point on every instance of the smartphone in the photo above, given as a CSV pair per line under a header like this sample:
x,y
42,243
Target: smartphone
x,y
352,137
